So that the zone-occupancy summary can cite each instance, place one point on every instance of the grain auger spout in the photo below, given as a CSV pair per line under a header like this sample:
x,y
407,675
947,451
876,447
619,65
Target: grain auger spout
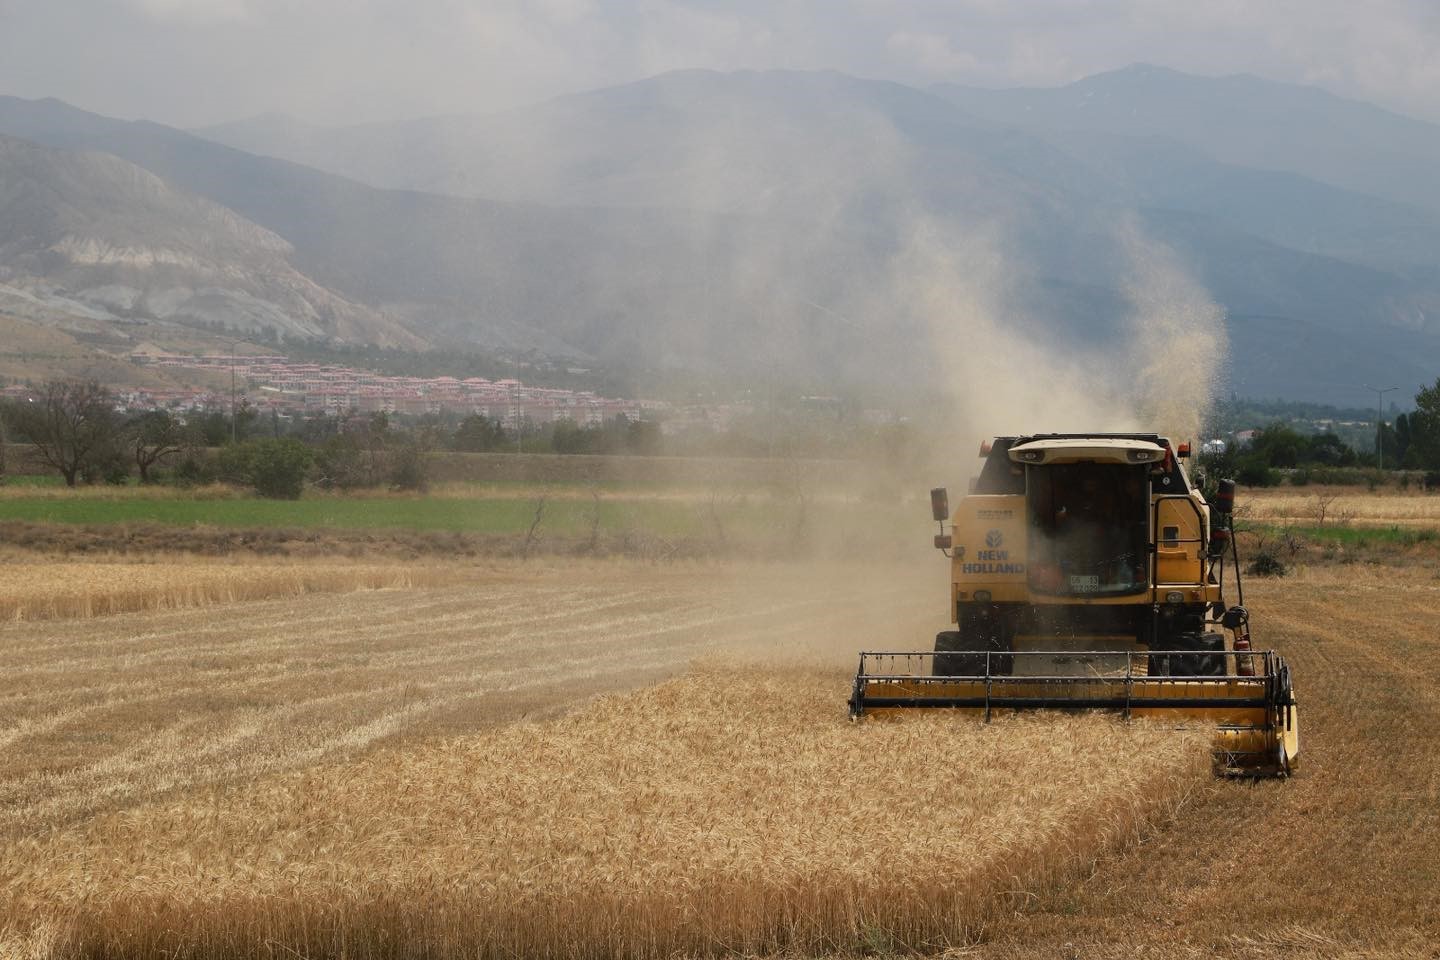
x,y
1088,574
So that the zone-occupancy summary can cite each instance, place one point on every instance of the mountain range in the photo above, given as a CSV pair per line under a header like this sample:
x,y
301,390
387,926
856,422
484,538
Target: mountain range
x,y
90,235
758,223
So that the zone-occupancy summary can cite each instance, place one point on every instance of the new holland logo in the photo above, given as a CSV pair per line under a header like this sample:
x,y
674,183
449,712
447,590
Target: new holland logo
x,y
992,560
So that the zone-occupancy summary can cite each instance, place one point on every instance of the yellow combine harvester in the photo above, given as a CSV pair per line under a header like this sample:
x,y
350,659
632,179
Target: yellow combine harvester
x,y
1088,573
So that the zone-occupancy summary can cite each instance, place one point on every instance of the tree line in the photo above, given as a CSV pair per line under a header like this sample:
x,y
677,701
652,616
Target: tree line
x,y
1412,442
78,430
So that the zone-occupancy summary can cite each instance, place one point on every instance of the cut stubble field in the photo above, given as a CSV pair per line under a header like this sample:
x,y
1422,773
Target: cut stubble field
x,y
108,711
341,774
727,812
570,516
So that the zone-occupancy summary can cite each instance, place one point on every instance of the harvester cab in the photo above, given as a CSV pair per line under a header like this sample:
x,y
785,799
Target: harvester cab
x,y
1088,572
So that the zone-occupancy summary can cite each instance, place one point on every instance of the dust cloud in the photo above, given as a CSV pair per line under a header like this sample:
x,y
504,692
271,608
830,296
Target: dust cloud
x,y
1157,372
856,262
830,252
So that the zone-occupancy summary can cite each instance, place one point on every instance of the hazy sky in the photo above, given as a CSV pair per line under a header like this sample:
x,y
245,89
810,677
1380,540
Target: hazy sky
x,y
191,62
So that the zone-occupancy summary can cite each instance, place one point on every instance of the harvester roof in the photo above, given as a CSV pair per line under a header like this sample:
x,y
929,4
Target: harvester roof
x,y
1101,449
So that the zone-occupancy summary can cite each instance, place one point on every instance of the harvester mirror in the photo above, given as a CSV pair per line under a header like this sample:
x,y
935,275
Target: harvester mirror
x,y
940,504
1224,503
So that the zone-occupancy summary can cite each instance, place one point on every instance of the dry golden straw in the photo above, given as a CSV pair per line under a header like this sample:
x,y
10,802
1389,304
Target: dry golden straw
x,y
47,590
728,812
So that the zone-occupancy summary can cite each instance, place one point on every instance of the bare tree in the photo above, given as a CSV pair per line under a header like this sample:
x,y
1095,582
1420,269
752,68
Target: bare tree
x,y
595,521
719,509
73,425
154,436
530,537
797,487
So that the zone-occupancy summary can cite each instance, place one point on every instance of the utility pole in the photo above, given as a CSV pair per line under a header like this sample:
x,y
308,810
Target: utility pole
x,y
232,393
1380,423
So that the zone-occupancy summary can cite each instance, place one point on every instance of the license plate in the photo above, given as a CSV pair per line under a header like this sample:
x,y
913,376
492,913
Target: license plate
x,y
1084,584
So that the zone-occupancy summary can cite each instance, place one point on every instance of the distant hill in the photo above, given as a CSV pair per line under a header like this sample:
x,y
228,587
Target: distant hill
x,y
1285,208
693,139
738,284
1342,265
89,237
840,230
1241,120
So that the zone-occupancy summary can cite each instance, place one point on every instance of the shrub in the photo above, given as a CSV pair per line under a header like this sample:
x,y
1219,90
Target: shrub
x,y
275,468
234,463
342,464
195,470
1255,472
278,468
409,468
1266,563
109,466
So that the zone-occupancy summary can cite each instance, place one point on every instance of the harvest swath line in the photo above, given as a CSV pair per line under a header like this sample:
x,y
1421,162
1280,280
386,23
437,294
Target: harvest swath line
x,y
1341,861
155,702
49,590
729,812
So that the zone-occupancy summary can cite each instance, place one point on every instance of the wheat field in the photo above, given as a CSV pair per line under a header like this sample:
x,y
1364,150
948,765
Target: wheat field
x,y
729,812
170,777
102,712
41,590
1321,506
1342,861
267,776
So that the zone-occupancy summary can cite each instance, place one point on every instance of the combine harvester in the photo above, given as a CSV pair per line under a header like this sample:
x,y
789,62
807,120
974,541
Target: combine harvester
x,y
1088,573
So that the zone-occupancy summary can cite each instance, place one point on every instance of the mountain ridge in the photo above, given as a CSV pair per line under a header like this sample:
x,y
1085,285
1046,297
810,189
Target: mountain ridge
x,y
100,238
693,235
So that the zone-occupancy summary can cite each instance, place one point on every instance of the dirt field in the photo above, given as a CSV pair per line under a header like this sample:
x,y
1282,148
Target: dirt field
x,y
118,713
